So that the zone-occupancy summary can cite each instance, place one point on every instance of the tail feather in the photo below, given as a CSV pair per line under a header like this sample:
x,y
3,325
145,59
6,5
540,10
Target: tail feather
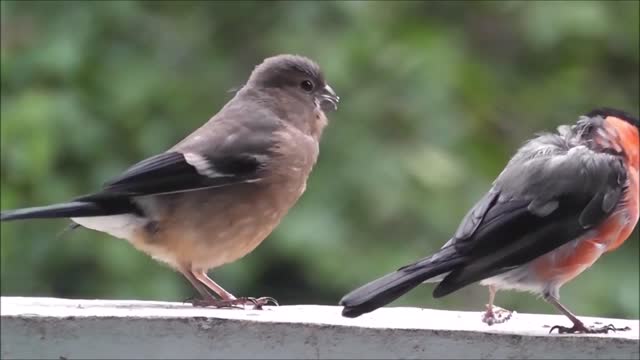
x,y
64,210
388,288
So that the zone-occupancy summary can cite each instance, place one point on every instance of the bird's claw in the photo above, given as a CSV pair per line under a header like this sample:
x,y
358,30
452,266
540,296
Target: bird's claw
x,y
496,315
211,303
257,303
581,329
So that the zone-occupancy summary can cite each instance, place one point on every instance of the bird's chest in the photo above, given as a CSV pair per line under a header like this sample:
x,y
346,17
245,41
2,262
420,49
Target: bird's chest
x,y
616,229
246,224
620,225
216,228
295,161
569,260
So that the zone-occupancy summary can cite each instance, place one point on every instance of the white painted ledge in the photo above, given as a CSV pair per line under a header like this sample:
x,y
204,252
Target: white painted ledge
x,y
52,328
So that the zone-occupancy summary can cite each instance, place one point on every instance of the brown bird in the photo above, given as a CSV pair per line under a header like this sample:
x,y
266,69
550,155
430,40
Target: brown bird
x,y
217,194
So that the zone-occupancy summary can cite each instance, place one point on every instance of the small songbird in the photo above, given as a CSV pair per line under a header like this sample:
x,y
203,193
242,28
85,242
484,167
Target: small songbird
x,y
562,201
217,194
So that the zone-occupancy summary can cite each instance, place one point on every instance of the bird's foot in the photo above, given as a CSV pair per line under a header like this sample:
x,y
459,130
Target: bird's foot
x,y
257,303
579,328
209,302
496,315
235,303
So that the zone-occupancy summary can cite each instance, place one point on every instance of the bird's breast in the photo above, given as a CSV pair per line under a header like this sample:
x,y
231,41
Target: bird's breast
x,y
209,228
626,216
568,261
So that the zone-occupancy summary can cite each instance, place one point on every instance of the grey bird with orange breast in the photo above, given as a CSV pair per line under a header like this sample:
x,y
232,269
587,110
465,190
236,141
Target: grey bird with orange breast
x,y
563,200
216,195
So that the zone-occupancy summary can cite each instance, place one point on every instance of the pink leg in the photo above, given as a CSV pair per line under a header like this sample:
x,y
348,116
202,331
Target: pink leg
x,y
495,314
206,280
198,278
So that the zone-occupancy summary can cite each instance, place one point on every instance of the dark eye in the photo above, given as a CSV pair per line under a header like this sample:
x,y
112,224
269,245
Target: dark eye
x,y
306,85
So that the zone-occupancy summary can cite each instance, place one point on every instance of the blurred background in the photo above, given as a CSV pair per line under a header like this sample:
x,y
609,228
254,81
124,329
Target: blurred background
x,y
435,98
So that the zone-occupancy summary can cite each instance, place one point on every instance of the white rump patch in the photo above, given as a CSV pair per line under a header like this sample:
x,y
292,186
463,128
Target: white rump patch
x,y
120,226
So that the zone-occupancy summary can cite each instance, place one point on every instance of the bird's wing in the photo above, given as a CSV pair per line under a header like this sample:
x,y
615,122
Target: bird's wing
x,y
547,196
236,155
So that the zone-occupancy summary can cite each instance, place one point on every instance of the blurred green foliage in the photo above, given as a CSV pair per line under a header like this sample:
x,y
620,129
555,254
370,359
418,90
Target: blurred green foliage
x,y
436,96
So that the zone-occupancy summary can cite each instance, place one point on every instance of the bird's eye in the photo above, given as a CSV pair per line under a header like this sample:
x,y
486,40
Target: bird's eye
x,y
306,85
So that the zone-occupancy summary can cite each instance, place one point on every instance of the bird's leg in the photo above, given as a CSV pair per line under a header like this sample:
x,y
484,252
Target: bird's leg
x,y
202,290
227,299
495,314
201,275
578,326
207,299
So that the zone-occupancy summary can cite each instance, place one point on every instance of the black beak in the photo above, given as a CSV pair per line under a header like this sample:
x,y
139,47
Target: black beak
x,y
328,99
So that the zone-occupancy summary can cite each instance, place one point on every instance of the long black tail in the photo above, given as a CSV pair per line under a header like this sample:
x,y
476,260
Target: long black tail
x,y
64,210
388,288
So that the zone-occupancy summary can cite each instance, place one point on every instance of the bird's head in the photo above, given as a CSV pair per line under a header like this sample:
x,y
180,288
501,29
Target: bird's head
x,y
298,77
612,130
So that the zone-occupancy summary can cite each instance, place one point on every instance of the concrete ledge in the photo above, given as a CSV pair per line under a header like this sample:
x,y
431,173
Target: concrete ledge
x,y
53,328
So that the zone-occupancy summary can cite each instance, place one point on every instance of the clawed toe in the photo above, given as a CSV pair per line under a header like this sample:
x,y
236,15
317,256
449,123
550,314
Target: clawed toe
x,y
265,300
257,303
581,329
213,303
496,315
